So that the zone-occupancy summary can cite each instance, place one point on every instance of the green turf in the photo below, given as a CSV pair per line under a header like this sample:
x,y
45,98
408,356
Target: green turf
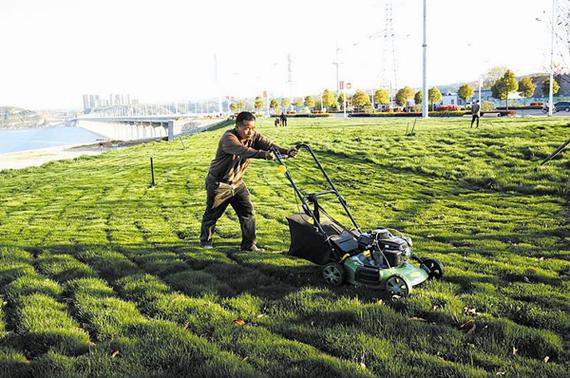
x,y
101,275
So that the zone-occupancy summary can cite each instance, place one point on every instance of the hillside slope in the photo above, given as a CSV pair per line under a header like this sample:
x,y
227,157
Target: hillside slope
x,y
102,275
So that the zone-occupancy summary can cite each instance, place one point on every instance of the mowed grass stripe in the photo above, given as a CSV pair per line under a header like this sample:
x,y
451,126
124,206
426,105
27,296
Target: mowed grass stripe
x,y
40,321
165,262
261,348
119,325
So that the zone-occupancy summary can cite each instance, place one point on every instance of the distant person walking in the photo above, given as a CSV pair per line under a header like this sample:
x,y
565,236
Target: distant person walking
x,y
475,113
283,118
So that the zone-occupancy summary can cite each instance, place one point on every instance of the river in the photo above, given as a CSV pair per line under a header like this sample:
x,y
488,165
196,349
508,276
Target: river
x,y
14,140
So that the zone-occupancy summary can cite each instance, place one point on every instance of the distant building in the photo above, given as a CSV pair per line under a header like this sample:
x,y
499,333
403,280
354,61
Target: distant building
x,y
449,98
86,106
92,101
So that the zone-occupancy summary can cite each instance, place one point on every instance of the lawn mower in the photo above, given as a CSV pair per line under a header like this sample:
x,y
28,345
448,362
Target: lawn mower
x,y
379,258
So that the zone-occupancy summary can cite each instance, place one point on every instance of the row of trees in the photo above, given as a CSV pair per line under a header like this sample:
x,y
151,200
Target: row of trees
x,y
501,88
526,87
328,99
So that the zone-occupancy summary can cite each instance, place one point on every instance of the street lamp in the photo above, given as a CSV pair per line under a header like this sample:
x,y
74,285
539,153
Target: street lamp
x,y
551,79
424,81
550,89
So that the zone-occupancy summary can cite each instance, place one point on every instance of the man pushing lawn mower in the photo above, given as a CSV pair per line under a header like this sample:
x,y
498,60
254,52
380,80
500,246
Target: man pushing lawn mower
x,y
224,183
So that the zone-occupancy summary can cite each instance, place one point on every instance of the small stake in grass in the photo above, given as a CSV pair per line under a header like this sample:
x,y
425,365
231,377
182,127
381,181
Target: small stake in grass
x,y
412,131
151,173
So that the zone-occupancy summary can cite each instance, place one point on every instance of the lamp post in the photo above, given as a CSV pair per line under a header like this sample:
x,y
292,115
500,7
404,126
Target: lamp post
x,y
550,90
424,81
551,75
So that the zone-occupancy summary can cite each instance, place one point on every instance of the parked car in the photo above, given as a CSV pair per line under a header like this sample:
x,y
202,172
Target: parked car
x,y
562,106
559,107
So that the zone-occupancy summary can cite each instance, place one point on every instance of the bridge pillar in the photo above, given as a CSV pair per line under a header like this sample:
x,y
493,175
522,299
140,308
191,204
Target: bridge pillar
x,y
170,130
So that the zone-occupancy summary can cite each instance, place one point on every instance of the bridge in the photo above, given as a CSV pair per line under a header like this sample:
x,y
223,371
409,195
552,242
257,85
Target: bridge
x,y
124,125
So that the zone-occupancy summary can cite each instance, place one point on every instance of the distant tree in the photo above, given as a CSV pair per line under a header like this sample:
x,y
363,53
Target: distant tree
x,y
494,74
504,86
418,98
309,102
259,103
285,102
526,87
298,102
242,105
546,87
329,99
234,107
382,97
404,95
465,92
434,95
318,104
274,104
487,106
340,101
360,99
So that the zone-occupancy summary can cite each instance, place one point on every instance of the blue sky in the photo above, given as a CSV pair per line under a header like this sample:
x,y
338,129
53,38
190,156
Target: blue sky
x,y
163,50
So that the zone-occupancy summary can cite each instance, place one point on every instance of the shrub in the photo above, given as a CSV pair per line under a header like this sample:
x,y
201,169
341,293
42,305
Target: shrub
x,y
307,115
448,108
487,106
459,113
520,107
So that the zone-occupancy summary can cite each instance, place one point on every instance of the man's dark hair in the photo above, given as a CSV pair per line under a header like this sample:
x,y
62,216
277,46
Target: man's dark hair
x,y
244,116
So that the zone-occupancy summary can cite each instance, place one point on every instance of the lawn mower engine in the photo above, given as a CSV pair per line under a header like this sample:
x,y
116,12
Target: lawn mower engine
x,y
387,250
381,251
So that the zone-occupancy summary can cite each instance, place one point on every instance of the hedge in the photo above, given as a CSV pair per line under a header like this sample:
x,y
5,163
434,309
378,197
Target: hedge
x,y
411,114
460,113
520,107
304,115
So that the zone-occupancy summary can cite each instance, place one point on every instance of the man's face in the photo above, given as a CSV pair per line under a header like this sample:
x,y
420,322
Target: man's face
x,y
246,130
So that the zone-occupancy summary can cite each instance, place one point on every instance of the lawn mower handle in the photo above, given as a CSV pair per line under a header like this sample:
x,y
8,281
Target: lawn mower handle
x,y
333,189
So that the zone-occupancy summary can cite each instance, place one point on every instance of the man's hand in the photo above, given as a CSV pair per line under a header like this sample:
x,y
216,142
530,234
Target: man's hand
x,y
269,155
292,152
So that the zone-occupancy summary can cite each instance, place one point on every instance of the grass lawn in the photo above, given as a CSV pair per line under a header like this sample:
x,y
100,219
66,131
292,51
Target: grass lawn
x,y
101,275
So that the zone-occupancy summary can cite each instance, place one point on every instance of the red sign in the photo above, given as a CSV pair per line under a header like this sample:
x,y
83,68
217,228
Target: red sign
x,y
341,84
348,85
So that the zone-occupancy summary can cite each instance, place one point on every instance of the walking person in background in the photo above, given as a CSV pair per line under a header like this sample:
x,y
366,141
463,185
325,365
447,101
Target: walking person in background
x,y
224,183
283,118
475,113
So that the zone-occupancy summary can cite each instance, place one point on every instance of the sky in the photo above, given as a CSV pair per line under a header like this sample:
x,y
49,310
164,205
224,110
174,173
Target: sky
x,y
165,50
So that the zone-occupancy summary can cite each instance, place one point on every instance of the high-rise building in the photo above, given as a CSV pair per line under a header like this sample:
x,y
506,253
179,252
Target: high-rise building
x,y
86,102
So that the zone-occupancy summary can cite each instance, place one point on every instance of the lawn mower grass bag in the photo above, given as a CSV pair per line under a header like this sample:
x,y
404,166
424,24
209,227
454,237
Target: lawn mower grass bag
x,y
307,242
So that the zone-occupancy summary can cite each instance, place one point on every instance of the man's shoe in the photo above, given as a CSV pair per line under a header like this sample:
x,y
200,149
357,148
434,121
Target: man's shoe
x,y
207,245
254,248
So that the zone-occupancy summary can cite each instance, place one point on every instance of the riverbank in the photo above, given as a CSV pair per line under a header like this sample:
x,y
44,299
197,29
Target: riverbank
x,y
36,158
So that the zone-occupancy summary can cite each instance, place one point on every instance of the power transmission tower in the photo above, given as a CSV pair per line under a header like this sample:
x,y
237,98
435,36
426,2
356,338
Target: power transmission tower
x,y
389,73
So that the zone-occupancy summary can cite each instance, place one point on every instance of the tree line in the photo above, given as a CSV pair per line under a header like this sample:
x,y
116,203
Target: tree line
x,y
501,81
